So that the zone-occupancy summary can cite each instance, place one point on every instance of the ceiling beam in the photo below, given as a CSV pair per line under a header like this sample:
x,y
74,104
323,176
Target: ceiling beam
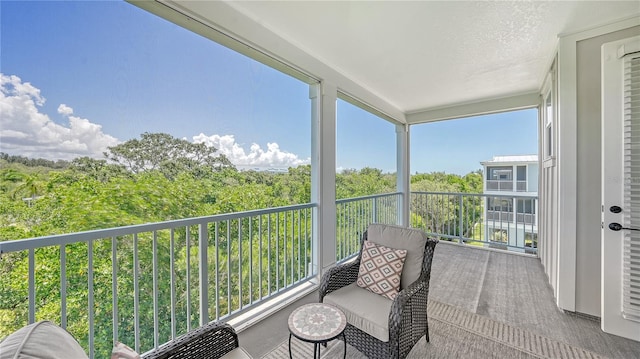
x,y
476,108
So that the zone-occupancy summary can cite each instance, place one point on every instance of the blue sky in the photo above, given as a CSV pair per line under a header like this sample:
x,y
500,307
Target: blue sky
x,y
80,76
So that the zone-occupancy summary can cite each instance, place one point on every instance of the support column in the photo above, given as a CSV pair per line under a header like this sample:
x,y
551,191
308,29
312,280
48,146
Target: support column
x,y
403,173
323,174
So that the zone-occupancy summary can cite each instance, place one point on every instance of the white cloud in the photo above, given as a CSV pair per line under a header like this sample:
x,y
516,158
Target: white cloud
x,y
257,157
26,131
65,110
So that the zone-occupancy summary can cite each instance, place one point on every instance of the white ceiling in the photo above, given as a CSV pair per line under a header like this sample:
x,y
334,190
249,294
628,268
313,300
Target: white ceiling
x,y
424,55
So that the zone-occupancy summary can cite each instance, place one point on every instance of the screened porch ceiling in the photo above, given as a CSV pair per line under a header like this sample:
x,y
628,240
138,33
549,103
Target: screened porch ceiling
x,y
412,59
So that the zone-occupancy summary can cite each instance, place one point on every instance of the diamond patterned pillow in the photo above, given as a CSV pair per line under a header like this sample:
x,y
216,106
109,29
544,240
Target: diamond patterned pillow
x,y
380,269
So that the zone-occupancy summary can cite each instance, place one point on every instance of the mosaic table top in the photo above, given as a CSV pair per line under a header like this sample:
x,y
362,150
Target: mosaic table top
x,y
317,322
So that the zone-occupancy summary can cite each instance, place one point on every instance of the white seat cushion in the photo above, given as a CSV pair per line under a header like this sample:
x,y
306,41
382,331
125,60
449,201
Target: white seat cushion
x,y
237,353
413,240
364,309
41,340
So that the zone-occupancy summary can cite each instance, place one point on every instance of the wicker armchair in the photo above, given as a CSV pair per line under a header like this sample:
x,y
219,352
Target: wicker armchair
x,y
407,318
212,341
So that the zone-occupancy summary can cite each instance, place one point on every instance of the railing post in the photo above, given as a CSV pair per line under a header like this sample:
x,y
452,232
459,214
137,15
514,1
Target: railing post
x,y
460,219
204,273
375,210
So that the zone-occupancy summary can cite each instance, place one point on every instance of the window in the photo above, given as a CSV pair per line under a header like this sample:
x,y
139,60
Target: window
x,y
548,133
500,204
526,206
500,173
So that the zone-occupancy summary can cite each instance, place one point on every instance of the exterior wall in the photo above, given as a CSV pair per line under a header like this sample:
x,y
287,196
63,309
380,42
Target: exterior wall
x,y
548,176
588,206
560,257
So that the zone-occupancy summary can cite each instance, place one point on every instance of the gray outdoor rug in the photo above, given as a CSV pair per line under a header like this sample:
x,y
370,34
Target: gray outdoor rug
x,y
457,333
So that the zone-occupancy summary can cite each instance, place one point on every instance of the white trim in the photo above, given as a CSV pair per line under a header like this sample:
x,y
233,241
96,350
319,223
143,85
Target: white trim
x,y
476,108
567,157
626,49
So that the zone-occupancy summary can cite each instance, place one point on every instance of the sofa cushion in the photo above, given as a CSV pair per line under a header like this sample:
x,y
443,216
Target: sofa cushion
x,y
41,340
413,240
364,310
380,269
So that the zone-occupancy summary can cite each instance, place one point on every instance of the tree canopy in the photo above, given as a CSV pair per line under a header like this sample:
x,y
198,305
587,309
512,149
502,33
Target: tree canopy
x,y
170,155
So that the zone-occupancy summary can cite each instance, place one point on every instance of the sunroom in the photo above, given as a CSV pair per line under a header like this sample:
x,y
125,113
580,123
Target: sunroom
x,y
409,63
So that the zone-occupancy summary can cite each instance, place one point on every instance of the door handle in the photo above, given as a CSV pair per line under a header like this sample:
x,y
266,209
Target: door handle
x,y
617,226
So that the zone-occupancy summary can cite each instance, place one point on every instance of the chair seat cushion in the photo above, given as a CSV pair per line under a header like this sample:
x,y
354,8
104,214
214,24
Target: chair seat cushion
x,y
41,340
364,309
237,353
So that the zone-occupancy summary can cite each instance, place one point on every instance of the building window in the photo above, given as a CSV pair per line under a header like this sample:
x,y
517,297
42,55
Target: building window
x,y
526,206
500,204
500,173
548,133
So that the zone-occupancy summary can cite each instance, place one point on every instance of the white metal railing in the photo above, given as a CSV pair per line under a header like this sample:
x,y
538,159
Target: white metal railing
x,y
499,185
353,216
467,218
506,185
146,284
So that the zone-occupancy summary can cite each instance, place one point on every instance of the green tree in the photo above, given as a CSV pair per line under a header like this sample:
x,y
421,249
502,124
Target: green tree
x,y
365,182
161,151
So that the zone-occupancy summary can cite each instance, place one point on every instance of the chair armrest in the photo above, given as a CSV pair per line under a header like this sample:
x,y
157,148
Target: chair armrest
x,y
408,315
338,277
212,340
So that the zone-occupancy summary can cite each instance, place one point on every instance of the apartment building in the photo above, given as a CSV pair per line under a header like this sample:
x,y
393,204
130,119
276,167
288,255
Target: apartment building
x,y
510,210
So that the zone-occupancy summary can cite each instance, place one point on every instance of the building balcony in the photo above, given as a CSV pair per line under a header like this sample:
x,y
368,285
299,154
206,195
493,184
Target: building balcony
x,y
147,284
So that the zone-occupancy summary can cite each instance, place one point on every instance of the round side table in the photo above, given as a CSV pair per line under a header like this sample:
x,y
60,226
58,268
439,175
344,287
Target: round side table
x,y
317,323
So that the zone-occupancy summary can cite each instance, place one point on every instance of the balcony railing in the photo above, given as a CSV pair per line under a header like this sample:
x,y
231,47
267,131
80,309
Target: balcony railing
x,y
506,185
499,185
146,284
507,216
353,216
462,217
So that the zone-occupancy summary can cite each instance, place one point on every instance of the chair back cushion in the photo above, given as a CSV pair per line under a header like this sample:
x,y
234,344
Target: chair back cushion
x,y
412,240
42,340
